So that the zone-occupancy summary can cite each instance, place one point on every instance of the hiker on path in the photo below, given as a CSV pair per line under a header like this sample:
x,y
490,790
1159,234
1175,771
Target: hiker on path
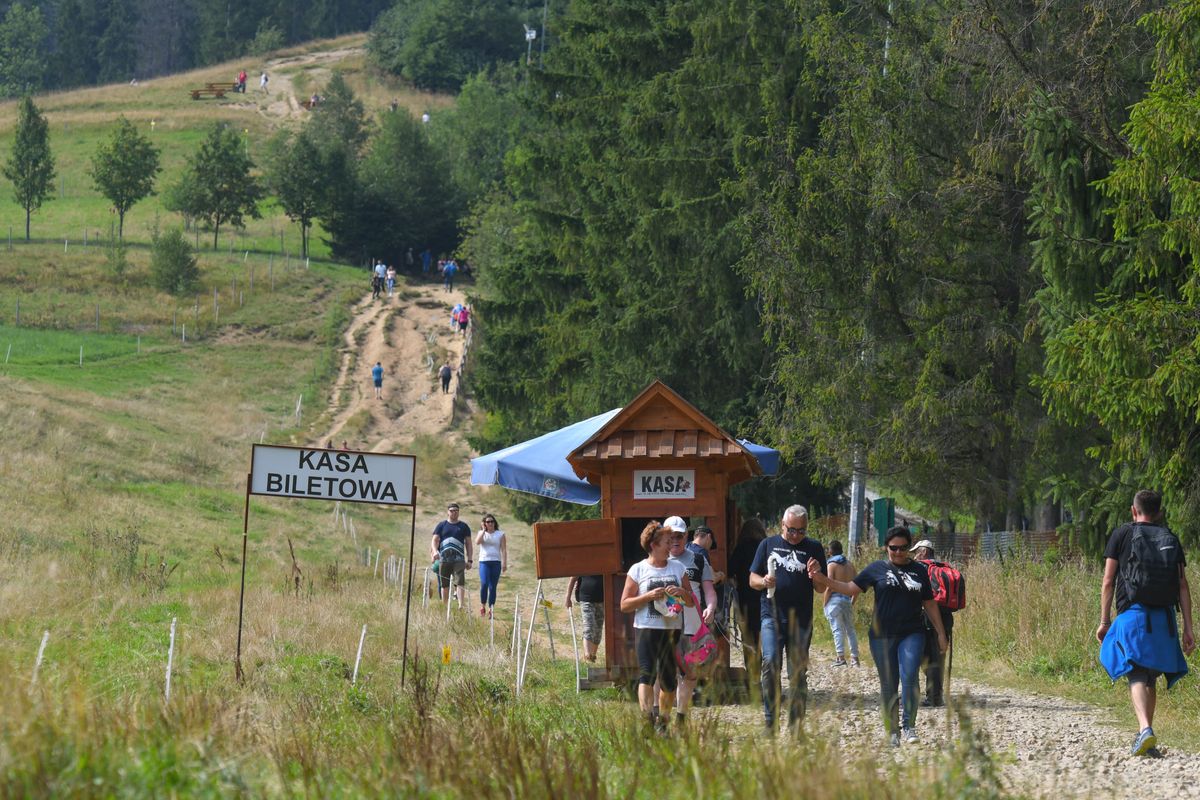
x,y
935,659
493,561
1144,570
448,271
444,373
656,591
589,591
426,261
749,599
839,608
700,578
780,572
262,82
451,547
903,599
377,379
390,278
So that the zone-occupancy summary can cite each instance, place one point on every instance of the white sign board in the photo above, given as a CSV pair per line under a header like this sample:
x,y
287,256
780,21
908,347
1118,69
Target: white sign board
x,y
332,475
664,484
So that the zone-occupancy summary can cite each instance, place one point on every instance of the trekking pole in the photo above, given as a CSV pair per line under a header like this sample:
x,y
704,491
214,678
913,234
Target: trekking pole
x,y
949,666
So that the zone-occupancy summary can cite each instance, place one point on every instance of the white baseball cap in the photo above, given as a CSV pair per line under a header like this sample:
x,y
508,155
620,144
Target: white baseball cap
x,y
920,544
676,524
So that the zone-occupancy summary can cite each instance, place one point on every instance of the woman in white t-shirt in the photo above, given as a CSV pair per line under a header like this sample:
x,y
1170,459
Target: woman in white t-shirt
x,y
656,592
493,560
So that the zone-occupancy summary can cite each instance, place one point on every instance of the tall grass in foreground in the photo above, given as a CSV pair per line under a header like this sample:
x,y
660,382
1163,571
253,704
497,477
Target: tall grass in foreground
x,y
442,737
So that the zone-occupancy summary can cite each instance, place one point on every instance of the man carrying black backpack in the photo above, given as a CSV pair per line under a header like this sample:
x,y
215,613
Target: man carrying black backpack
x,y
1144,571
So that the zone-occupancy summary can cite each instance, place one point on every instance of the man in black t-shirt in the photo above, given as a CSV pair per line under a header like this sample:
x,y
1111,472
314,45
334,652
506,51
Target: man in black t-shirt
x,y
1143,641
780,571
451,548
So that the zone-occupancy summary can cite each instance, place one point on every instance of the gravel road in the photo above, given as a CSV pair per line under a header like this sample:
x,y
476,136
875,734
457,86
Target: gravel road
x,y
1046,746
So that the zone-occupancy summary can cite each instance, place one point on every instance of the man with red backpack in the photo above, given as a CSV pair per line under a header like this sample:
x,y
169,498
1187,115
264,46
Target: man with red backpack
x,y
949,592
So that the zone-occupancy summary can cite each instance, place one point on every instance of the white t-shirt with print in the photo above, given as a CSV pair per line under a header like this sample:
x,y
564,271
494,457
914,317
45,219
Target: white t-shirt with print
x,y
649,577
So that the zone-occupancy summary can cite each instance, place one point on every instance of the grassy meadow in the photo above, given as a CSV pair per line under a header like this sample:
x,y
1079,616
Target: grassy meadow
x,y
162,109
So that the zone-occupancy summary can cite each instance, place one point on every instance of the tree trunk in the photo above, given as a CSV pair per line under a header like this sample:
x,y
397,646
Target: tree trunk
x,y
216,231
27,215
121,226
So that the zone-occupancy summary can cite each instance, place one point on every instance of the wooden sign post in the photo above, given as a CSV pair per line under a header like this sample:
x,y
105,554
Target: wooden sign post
x,y
337,475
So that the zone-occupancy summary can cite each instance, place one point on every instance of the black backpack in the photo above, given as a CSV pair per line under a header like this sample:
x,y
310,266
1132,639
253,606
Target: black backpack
x,y
1151,573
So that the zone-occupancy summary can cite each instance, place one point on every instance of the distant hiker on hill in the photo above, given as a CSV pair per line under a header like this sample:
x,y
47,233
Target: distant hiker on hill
x,y
444,373
262,82
1144,571
426,261
377,378
390,277
464,319
839,608
448,272
451,547
409,261
241,81
903,601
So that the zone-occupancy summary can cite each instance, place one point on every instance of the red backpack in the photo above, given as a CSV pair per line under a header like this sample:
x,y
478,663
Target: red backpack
x,y
949,586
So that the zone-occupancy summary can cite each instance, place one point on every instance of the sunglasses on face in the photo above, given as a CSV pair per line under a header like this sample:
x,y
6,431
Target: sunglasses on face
x,y
896,548
797,531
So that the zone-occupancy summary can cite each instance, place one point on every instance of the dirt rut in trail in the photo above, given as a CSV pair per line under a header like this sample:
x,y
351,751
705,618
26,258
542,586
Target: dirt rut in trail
x,y
410,335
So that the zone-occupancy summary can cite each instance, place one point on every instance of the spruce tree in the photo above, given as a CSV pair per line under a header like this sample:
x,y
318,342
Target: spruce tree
x,y
31,166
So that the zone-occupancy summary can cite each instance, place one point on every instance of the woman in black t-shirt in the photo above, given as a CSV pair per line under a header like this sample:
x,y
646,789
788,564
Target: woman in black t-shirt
x,y
589,591
903,599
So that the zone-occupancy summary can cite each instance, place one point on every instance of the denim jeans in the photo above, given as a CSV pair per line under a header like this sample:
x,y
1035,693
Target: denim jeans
x,y
774,641
840,613
489,579
898,661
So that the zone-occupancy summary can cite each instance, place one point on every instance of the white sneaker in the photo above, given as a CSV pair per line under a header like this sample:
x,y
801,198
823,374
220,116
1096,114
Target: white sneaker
x,y
909,736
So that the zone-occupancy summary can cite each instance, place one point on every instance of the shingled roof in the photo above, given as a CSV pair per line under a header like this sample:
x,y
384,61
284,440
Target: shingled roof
x,y
658,423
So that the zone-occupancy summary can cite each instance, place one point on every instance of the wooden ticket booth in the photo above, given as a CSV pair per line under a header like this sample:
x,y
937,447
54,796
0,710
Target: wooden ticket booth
x,y
659,456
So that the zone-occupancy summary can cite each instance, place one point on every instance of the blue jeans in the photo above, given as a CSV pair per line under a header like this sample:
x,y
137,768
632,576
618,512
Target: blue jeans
x,y
898,661
489,579
774,641
840,613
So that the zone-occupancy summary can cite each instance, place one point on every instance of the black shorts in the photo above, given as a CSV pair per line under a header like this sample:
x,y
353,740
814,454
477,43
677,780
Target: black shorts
x,y
1141,674
656,657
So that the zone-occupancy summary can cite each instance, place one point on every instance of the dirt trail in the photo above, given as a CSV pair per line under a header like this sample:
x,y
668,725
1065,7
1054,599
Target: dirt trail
x,y
410,335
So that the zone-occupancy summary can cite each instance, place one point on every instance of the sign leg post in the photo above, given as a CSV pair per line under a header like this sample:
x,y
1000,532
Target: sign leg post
x,y
238,673
412,539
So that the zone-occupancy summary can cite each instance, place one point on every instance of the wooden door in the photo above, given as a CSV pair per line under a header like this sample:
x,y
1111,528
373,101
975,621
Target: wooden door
x,y
581,547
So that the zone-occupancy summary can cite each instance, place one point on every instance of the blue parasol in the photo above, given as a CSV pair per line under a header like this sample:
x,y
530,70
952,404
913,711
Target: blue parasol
x,y
539,466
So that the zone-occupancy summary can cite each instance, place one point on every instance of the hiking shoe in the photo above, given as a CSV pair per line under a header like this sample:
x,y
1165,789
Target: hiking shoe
x,y
894,739
840,662
932,703
909,736
1144,742
853,661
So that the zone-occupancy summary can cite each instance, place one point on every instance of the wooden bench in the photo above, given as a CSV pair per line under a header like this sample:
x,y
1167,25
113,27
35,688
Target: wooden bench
x,y
198,93
227,86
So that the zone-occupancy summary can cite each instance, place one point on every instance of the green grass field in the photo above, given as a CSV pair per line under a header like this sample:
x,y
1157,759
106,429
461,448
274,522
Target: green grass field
x,y
162,109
